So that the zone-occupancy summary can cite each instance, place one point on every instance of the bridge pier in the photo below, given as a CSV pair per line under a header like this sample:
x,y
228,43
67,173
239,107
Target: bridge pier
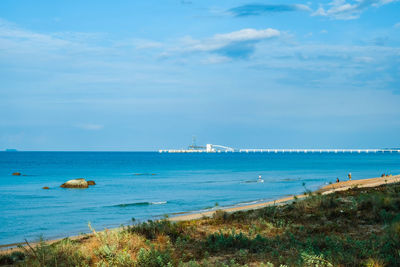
x,y
218,149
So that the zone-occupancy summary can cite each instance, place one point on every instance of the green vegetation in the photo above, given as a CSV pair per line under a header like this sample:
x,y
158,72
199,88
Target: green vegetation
x,y
358,227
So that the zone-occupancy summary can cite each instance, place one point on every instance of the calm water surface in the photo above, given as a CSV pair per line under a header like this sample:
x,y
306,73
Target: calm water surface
x,y
168,183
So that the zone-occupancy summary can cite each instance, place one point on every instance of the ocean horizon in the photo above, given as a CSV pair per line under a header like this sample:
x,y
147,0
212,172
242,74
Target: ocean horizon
x,y
150,185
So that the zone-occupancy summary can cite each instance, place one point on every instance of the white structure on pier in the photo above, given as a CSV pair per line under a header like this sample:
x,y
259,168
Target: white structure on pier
x,y
210,148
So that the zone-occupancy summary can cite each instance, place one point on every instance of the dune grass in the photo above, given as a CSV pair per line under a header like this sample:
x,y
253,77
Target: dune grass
x,y
357,227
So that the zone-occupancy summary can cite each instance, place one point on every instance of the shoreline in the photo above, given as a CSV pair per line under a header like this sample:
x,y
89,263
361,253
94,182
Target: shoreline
x,y
327,189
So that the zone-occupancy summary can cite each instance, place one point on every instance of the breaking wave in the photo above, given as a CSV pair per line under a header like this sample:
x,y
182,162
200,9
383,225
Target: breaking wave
x,y
135,204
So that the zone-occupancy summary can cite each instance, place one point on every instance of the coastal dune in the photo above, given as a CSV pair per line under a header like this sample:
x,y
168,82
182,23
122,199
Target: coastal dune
x,y
328,189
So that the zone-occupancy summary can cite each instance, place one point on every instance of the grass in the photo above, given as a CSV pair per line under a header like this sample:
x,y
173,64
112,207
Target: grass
x,y
358,227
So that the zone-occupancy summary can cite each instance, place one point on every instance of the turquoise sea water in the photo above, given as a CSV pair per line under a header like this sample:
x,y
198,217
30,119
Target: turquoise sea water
x,y
147,185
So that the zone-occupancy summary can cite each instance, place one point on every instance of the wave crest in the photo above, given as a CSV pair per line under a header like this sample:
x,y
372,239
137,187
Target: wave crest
x,y
135,204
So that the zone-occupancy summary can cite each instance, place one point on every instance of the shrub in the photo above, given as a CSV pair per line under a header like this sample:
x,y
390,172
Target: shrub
x,y
10,259
62,253
153,258
110,256
152,229
220,216
314,260
373,263
242,256
189,264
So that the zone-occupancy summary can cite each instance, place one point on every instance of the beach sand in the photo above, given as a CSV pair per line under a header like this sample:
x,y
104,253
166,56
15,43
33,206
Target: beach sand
x,y
341,186
372,182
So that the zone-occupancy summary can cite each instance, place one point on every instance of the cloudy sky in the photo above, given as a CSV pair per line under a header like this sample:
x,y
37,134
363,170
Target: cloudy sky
x,y
147,74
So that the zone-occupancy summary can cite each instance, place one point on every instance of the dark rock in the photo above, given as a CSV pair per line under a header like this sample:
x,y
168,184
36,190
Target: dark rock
x,y
91,182
16,173
45,187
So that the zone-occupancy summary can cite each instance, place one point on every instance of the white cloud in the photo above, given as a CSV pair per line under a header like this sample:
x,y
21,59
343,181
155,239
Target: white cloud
x,y
10,31
221,40
341,9
319,12
302,7
90,126
145,44
15,39
384,2
138,43
247,35
46,46
60,45
363,59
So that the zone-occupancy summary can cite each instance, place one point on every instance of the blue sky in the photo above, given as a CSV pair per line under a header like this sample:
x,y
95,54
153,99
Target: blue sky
x,y
145,75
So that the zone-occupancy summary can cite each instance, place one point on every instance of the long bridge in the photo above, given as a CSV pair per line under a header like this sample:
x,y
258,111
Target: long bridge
x,y
313,150
210,148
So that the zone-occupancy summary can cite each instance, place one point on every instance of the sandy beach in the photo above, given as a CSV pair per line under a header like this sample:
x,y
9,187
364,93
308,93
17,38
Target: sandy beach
x,y
371,182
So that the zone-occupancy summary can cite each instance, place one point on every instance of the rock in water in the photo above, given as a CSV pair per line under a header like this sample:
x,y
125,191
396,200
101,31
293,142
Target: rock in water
x,y
75,183
45,187
91,182
16,173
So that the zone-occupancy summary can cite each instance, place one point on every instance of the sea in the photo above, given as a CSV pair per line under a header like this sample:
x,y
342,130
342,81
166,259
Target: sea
x,y
151,185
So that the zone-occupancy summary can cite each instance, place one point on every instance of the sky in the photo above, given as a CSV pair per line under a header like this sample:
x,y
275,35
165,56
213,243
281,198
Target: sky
x,y
148,75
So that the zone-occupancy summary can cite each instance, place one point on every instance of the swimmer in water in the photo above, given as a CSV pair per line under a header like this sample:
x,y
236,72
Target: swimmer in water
x,y
260,180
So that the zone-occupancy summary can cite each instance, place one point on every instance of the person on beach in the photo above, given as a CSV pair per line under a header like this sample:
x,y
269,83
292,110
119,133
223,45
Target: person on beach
x,y
349,176
337,180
